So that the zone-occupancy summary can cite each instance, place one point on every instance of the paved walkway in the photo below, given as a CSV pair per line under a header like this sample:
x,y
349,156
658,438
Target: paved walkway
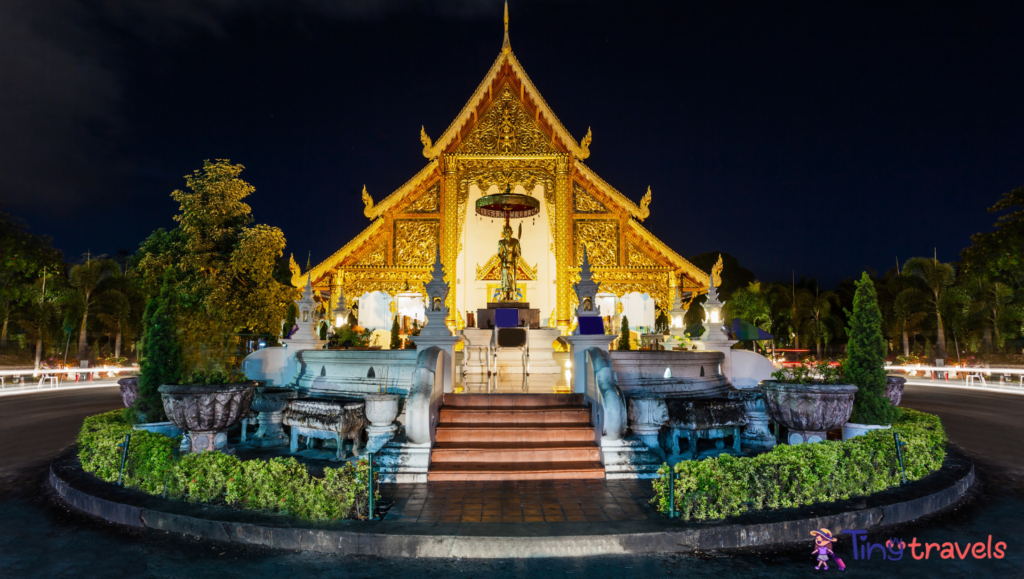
x,y
583,501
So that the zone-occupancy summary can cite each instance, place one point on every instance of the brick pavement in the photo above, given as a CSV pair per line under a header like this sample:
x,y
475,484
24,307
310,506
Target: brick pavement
x,y
580,500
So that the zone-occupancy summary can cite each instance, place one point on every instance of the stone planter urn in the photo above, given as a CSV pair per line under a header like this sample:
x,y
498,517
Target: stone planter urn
x,y
206,412
129,390
808,411
646,417
270,403
756,434
894,388
381,411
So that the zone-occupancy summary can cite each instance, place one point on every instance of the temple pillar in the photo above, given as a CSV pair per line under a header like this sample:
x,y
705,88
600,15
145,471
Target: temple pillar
x,y
449,237
563,235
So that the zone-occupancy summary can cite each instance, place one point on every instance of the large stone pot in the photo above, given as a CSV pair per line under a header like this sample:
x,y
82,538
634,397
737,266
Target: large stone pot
x,y
129,390
808,411
646,417
206,412
270,402
381,411
894,388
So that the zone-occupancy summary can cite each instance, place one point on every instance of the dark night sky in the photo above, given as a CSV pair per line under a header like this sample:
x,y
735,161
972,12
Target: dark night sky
x,y
824,137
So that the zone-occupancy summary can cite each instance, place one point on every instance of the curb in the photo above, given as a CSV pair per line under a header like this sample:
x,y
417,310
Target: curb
x,y
401,543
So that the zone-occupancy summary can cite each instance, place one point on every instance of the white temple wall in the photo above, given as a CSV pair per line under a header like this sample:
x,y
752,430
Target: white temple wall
x,y
639,308
480,241
374,313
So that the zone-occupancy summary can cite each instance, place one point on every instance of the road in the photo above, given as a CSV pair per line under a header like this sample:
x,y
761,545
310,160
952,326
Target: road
x,y
40,538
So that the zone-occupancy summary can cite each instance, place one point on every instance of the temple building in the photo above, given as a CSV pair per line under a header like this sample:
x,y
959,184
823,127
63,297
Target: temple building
x,y
505,138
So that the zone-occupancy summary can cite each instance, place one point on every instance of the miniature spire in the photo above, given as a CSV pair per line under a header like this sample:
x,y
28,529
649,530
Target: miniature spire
x,y
506,46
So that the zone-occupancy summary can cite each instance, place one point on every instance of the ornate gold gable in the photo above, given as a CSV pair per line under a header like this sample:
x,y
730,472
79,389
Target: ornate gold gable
x,y
491,270
507,135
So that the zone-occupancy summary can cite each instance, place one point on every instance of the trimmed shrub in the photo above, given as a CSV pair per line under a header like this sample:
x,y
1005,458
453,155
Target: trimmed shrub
x,y
624,334
804,474
396,341
278,485
162,364
865,361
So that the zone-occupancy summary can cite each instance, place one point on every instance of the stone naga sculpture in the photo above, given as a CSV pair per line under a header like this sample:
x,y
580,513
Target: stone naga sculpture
x,y
613,404
421,407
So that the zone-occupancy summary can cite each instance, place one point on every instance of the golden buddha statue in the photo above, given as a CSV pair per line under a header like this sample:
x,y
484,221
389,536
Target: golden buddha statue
x,y
508,256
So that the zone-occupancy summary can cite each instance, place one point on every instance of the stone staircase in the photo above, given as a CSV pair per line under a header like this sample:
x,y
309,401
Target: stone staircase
x,y
514,437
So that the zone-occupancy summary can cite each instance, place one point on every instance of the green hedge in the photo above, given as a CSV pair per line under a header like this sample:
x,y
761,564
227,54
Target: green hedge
x,y
278,485
804,474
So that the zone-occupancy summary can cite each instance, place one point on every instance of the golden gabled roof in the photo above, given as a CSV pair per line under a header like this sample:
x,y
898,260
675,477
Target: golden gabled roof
x,y
397,195
638,211
326,265
678,261
432,150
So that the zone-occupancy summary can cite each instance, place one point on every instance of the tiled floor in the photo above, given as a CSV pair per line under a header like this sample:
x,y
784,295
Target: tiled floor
x,y
581,501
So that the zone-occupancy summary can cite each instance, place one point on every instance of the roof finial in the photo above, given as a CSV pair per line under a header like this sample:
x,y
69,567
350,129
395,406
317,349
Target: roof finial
x,y
505,46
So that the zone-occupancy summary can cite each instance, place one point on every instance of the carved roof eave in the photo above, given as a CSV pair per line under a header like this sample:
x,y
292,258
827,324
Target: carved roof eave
x,y
625,202
325,267
680,263
466,115
399,194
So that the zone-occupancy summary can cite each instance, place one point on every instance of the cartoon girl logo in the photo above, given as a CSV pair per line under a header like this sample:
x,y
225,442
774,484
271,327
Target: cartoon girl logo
x,y
823,549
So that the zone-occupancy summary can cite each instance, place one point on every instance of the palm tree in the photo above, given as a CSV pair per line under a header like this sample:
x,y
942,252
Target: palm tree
x,y
120,305
85,279
992,301
904,306
764,305
938,278
815,317
39,314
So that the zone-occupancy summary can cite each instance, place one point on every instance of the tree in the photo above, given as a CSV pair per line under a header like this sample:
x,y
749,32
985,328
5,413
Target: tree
x,y
766,305
121,306
624,335
225,267
162,363
938,278
85,279
904,306
815,318
23,256
396,342
865,362
40,316
999,254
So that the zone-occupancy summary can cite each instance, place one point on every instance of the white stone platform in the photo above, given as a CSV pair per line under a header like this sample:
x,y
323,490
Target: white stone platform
x,y
542,352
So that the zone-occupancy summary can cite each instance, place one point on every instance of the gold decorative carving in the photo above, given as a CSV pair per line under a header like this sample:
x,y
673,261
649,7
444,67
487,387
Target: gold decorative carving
x,y
368,202
376,256
621,281
491,270
429,202
391,280
716,271
601,238
584,202
639,259
563,238
415,241
645,204
505,128
585,145
427,143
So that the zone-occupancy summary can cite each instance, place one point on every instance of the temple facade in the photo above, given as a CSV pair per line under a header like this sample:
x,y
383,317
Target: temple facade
x,y
505,136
